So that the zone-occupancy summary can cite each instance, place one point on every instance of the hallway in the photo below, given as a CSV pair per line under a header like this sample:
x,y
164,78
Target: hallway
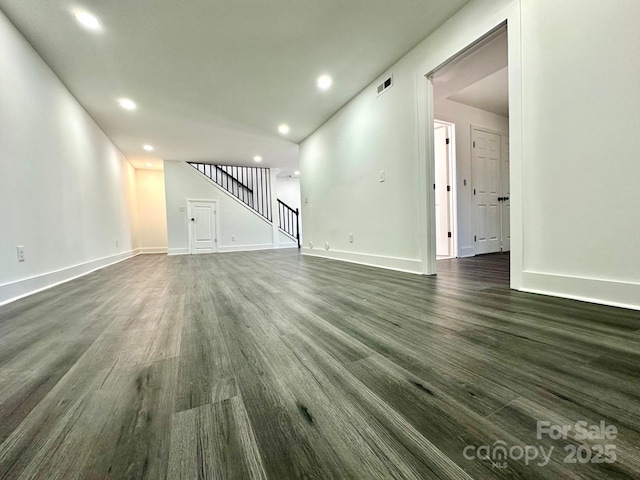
x,y
273,365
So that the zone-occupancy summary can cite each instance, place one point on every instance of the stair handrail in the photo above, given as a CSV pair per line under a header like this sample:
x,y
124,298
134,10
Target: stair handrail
x,y
289,220
257,197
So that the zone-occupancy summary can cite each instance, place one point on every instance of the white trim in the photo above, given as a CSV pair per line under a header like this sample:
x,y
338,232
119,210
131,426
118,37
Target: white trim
x,y
466,252
453,182
12,291
486,130
177,251
215,220
287,245
426,174
594,290
390,263
516,145
152,250
246,248
425,101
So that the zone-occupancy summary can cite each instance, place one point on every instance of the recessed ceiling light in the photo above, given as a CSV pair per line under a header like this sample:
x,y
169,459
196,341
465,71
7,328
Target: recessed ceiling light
x,y
149,164
257,158
127,104
87,20
148,148
296,172
284,129
324,82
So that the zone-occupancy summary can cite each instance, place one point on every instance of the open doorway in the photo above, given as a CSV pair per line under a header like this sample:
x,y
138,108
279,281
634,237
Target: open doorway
x,y
443,136
471,109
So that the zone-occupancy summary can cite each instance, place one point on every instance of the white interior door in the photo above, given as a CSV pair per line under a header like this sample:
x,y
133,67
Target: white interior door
x,y
443,191
505,204
202,227
486,190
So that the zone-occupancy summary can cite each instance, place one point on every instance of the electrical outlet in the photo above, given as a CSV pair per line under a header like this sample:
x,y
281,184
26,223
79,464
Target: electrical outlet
x,y
311,245
20,253
181,210
306,200
117,244
326,245
233,238
381,176
351,238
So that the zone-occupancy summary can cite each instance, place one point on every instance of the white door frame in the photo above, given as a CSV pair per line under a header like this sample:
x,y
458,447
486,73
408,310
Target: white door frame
x,y
453,180
510,15
189,223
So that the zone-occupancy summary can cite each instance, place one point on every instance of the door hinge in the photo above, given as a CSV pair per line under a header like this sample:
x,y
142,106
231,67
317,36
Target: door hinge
x,y
448,141
475,239
449,234
474,144
215,240
448,188
474,191
434,186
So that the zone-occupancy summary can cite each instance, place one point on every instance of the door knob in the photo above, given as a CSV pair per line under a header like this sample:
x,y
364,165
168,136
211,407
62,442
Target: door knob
x,y
500,199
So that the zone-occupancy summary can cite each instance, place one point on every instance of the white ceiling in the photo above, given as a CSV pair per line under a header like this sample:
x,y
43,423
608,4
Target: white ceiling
x,y
490,94
478,79
213,79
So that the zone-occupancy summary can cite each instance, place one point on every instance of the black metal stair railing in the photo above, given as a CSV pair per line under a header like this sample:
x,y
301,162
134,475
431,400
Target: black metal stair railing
x,y
250,185
289,220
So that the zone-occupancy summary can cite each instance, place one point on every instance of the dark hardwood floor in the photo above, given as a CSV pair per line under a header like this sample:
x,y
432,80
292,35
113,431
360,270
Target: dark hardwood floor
x,y
273,365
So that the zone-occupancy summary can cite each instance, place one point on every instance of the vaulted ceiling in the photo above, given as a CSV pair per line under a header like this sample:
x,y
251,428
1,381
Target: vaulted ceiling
x,y
213,79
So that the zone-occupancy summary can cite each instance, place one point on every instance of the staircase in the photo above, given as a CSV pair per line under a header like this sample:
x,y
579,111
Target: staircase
x,y
252,186
289,221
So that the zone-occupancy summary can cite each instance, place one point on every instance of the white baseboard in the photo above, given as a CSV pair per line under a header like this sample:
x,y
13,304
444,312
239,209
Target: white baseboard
x,y
12,291
177,251
245,248
152,250
391,263
466,252
607,292
287,245
234,248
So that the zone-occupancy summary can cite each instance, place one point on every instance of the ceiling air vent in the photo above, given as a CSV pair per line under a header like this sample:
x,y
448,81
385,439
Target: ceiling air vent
x,y
386,85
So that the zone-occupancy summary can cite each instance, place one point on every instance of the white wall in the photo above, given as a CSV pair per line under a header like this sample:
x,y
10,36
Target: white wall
x,y
581,167
66,193
152,213
288,190
341,161
464,116
182,182
574,117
